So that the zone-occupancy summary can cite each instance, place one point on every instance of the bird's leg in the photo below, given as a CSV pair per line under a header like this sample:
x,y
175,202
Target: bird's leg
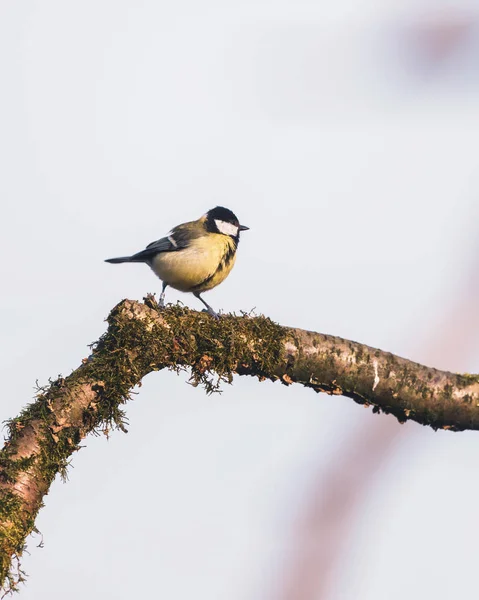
x,y
161,303
208,307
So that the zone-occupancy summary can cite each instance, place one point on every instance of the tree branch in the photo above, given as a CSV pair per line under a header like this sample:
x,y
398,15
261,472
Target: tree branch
x,y
141,339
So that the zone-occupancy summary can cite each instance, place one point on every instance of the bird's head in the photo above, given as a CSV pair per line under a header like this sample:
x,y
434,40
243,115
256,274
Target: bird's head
x,y
224,221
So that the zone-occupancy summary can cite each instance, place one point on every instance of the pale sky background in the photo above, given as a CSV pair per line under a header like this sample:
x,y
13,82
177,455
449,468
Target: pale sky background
x,y
354,158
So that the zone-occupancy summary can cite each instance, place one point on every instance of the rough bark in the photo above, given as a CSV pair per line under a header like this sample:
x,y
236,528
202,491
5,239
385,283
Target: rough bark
x,y
141,339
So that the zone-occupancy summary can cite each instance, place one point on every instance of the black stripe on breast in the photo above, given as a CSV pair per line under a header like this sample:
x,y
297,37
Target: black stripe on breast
x,y
224,263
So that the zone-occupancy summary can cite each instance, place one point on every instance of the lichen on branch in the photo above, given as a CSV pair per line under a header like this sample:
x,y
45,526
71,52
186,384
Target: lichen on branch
x,y
140,339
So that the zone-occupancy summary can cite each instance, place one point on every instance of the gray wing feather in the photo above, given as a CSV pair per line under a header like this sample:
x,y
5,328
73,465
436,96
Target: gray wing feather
x,y
171,243
179,238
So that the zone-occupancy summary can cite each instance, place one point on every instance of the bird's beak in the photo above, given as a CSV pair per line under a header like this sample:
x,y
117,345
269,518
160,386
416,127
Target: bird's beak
x,y
243,228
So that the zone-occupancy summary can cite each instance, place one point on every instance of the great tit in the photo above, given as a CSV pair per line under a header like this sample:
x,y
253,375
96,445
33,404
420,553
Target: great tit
x,y
194,257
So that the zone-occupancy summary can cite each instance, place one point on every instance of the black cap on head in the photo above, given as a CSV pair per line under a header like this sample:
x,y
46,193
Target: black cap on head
x,y
221,213
223,220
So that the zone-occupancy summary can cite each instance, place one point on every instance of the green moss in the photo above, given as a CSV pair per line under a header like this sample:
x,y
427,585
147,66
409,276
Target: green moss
x,y
9,506
446,393
39,409
212,349
466,379
359,354
11,540
10,468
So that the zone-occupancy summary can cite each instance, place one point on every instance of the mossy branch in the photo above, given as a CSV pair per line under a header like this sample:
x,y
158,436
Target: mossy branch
x,y
141,339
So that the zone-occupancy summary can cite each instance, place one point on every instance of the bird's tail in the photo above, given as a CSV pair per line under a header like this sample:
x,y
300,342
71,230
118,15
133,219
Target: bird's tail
x,y
120,259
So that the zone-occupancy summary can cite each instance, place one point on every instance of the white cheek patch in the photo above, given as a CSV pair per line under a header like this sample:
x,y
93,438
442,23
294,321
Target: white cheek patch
x,y
226,228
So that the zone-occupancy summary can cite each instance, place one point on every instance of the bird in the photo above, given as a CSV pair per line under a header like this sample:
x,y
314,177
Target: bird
x,y
194,257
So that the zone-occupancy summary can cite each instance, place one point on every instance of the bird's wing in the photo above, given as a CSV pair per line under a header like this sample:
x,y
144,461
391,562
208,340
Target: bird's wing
x,y
179,238
166,244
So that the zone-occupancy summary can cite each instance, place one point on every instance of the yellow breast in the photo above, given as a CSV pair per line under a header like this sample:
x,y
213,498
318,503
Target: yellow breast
x,y
200,267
